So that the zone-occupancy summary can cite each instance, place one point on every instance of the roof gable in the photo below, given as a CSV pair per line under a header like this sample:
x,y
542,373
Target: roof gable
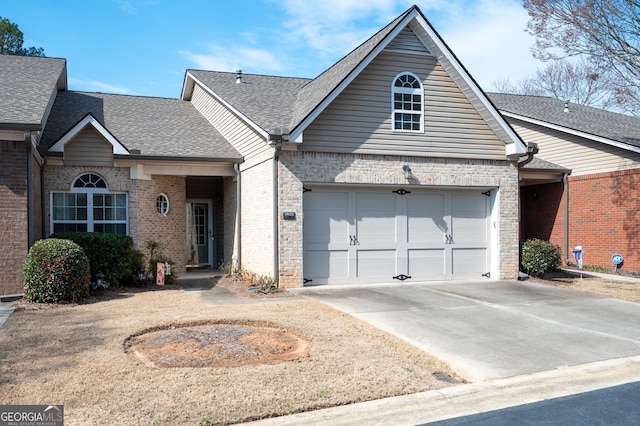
x,y
275,102
156,127
89,120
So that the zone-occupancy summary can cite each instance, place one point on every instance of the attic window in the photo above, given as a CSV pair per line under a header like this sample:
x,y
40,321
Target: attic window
x,y
407,103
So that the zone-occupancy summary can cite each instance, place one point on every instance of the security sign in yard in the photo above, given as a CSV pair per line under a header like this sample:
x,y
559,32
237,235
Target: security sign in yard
x,y
577,255
617,259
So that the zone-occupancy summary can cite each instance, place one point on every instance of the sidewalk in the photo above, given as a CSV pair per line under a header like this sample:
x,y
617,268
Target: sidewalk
x,y
5,312
465,400
609,276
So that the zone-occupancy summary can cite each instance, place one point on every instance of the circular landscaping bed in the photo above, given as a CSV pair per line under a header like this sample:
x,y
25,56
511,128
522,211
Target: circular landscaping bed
x,y
216,345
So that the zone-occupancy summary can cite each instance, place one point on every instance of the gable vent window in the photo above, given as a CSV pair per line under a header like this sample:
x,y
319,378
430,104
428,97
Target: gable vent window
x,y
407,103
89,207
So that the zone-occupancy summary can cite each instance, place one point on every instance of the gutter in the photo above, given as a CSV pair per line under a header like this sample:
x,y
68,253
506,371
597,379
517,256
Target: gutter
x,y
30,194
565,189
532,149
279,135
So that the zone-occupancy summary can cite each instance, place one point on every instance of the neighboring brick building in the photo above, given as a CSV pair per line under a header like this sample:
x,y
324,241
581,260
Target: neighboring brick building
x,y
598,153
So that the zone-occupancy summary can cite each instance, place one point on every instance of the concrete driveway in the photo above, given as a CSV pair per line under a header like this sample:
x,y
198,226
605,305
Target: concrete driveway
x,y
495,329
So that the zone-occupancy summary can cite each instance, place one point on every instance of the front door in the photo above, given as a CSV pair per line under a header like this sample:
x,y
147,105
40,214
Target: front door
x,y
199,233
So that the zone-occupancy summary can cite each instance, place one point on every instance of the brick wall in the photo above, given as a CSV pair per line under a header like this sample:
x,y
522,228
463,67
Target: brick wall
x,y
299,167
603,216
257,218
170,231
13,215
542,212
144,222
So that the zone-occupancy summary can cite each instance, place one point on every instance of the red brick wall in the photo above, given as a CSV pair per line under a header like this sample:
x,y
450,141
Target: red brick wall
x,y
604,216
13,215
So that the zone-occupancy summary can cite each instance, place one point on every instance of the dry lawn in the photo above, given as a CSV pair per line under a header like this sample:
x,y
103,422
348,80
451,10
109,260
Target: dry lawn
x,y
607,287
75,355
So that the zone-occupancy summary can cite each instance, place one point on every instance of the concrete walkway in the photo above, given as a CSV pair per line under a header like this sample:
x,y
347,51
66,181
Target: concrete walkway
x,y
5,312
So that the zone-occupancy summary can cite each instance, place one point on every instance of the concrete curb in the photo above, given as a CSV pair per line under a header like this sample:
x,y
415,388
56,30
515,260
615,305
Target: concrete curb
x,y
474,398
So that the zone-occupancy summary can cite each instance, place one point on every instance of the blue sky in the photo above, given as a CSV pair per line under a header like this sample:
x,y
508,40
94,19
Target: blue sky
x,y
144,47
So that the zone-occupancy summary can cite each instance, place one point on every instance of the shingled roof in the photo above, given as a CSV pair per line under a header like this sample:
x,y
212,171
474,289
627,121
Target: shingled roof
x,y
621,128
158,127
27,87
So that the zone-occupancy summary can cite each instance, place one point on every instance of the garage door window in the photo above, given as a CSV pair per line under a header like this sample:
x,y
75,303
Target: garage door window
x,y
89,207
407,103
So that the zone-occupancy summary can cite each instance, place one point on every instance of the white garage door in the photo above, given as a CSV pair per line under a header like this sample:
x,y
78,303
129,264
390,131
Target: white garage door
x,y
373,235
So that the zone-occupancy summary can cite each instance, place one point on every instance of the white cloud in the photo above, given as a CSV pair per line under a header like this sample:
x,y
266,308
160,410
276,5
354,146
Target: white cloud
x,y
489,39
232,58
487,36
89,85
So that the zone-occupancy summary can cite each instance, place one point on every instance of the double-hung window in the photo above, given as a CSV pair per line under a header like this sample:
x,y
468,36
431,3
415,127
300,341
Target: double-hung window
x,y
89,207
407,103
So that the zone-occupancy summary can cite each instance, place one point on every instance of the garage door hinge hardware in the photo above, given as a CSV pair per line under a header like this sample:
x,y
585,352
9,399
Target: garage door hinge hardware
x,y
487,193
488,275
401,191
306,280
353,240
306,189
401,277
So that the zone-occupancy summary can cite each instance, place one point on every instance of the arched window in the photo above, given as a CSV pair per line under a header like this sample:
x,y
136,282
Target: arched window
x,y
89,207
407,103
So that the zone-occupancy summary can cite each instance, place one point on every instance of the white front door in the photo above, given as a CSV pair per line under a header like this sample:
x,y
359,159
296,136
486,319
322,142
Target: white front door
x,y
373,235
199,233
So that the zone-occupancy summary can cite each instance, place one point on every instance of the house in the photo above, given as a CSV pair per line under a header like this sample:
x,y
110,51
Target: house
x,y
391,165
592,197
28,88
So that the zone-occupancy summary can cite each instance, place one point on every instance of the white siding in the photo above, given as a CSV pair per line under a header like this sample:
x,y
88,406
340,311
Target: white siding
x,y
88,148
582,156
359,120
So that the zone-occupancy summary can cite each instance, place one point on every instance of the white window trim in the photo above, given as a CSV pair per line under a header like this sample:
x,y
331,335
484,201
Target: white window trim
x,y
90,192
395,90
168,202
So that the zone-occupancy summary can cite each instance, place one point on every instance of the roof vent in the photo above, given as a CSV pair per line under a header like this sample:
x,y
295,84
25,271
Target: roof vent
x,y
239,77
566,105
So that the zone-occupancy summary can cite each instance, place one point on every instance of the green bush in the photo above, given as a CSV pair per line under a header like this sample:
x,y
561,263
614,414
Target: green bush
x,y
56,271
111,254
539,256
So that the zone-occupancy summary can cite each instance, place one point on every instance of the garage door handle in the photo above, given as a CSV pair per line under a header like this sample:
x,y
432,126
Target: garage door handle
x,y
449,239
353,240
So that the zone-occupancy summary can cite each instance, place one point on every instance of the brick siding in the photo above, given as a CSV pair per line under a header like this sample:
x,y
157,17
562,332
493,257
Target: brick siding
x,y
145,223
13,215
603,216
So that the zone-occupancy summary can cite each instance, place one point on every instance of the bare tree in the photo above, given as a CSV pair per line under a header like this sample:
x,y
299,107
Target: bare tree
x,y
604,31
585,83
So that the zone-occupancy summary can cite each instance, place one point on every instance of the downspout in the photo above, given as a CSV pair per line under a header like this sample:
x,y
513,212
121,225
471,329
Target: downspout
x,y
565,183
276,210
237,257
30,195
43,219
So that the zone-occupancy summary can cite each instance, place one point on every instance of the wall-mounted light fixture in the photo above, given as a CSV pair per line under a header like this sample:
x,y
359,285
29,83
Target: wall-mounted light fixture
x,y
407,172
